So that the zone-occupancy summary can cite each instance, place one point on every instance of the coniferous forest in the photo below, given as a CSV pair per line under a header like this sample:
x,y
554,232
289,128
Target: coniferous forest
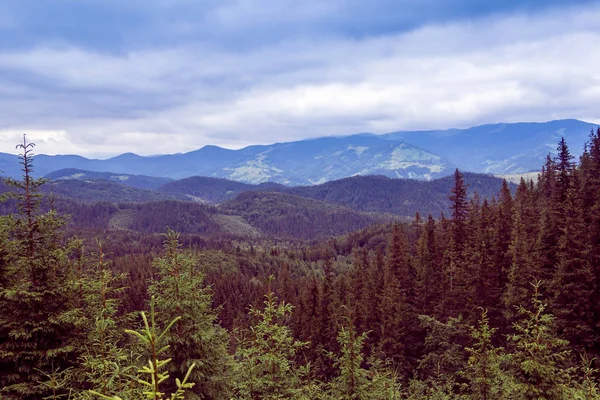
x,y
498,299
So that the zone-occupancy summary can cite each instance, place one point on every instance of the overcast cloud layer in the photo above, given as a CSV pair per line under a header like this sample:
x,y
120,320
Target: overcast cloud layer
x,y
103,77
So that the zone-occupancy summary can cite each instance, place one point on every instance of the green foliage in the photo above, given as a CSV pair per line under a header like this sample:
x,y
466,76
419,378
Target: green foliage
x,y
445,352
180,292
266,358
36,297
150,377
103,363
540,359
485,369
356,382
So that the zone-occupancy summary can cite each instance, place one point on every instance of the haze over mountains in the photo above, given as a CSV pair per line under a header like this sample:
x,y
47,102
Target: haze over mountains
x,y
424,155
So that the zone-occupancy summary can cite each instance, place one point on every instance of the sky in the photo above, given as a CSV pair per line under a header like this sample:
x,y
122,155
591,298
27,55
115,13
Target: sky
x,y
104,77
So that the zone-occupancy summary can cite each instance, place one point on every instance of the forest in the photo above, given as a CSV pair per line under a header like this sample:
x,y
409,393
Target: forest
x,y
499,298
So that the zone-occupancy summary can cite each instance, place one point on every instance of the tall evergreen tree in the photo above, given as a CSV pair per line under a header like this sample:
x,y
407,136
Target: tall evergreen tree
x,y
574,281
504,227
35,301
326,324
524,267
354,382
103,364
428,270
541,360
487,380
396,310
267,366
196,337
590,194
454,255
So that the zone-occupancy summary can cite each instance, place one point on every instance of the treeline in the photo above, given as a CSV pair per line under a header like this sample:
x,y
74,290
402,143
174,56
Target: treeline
x,y
497,300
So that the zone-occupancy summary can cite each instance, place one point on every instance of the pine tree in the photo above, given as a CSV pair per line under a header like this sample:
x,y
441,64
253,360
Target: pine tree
x,y
196,338
34,302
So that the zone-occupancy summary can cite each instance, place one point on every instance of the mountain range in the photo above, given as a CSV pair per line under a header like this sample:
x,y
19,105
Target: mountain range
x,y
425,155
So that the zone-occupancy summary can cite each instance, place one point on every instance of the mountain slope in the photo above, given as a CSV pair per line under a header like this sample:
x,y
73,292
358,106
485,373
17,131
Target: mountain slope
x,y
101,190
285,215
136,181
500,148
212,190
373,193
403,197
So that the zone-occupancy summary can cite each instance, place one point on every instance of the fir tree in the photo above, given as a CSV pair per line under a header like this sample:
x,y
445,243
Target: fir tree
x,y
326,324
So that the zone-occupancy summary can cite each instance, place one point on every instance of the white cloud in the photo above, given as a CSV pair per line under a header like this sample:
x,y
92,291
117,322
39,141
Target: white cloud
x,y
507,68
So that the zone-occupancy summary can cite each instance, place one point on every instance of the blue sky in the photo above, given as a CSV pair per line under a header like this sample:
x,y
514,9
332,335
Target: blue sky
x,y
102,77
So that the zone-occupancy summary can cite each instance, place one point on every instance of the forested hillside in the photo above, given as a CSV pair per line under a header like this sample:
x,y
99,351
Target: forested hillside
x,y
373,193
284,215
498,298
136,181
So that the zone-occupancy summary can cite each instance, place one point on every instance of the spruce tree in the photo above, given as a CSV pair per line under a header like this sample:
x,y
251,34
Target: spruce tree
x,y
396,311
103,364
354,381
503,226
196,338
428,270
37,296
326,324
454,255
267,367
484,370
590,194
524,266
574,281
149,380
540,358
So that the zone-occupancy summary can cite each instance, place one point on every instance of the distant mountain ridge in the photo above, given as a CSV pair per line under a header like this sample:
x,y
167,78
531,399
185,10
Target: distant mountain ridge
x,y
503,148
295,163
511,148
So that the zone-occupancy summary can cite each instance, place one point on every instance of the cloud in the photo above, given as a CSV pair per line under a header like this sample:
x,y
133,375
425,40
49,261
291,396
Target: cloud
x,y
249,72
